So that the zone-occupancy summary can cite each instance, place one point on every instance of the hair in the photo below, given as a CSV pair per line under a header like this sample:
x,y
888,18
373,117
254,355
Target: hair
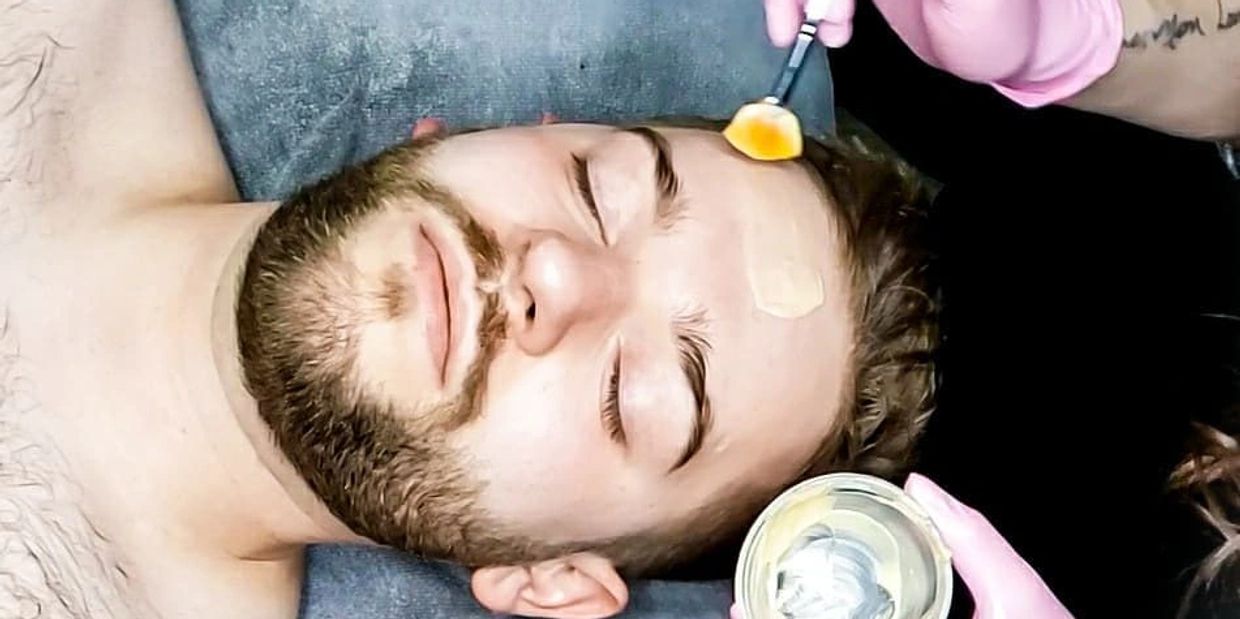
x,y
374,473
884,208
1208,479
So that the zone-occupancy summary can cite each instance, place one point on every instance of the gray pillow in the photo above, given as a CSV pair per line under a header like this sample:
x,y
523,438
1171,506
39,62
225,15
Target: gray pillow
x,y
352,582
299,88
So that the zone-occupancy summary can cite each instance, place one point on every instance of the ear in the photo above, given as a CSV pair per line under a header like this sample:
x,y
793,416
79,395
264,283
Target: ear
x,y
427,126
578,586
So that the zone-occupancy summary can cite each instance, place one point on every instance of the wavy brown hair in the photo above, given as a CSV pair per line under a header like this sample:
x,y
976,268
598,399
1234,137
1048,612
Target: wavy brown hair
x,y
1208,478
884,206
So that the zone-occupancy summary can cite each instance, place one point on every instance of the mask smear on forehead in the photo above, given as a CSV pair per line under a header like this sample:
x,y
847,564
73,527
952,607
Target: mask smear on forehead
x,y
780,267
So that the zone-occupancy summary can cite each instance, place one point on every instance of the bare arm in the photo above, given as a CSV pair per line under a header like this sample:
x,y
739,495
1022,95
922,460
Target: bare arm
x,y
99,109
1178,71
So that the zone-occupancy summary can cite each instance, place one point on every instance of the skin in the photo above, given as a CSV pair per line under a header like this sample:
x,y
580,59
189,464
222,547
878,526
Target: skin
x,y
1184,83
541,446
121,248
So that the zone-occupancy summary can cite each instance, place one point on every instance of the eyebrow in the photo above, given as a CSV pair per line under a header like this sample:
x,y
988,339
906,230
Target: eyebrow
x,y
690,331
669,209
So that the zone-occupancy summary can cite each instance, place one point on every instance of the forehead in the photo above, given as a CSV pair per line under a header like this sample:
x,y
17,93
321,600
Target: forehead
x,y
748,229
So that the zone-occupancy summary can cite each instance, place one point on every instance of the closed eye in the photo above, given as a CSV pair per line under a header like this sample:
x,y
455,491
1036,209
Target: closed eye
x,y
612,421
581,175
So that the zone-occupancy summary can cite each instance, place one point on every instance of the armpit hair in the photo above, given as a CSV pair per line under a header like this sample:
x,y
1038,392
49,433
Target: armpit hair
x,y
33,94
53,563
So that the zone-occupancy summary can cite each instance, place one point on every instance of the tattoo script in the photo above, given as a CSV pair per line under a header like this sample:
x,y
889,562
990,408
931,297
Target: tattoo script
x,y
1168,33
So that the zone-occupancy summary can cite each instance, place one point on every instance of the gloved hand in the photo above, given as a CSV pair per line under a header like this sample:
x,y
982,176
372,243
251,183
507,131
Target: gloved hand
x,y
1033,51
1002,584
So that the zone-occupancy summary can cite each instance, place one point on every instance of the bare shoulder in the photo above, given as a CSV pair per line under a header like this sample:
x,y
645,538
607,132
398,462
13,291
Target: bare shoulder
x,y
98,106
53,563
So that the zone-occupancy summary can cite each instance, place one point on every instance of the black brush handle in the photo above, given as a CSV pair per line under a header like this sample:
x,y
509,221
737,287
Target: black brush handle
x,y
792,66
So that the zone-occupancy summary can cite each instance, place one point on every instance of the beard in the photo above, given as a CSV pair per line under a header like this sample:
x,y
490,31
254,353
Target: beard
x,y
385,473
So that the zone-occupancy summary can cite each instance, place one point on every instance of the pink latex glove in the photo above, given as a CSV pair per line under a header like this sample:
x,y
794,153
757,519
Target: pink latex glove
x,y
1033,51
1002,584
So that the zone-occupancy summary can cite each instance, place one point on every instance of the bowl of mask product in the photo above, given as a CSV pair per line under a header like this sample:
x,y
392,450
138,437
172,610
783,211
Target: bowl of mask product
x,y
844,546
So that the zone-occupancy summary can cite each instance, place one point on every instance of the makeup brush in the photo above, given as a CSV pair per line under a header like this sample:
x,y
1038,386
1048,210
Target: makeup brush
x,y
767,130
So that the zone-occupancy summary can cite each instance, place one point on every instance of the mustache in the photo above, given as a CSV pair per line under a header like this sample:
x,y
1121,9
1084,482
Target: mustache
x,y
492,330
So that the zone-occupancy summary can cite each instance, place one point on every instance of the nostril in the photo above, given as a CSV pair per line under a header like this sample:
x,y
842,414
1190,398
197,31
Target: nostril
x,y
531,312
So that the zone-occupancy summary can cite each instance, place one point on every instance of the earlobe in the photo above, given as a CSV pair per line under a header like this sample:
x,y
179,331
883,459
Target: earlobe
x,y
579,586
499,587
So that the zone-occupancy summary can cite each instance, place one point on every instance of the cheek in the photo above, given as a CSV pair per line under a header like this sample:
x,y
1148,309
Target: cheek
x,y
546,466
532,427
393,362
505,189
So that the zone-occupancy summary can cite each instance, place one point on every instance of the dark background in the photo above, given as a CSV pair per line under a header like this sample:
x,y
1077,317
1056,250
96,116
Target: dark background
x,y
1080,257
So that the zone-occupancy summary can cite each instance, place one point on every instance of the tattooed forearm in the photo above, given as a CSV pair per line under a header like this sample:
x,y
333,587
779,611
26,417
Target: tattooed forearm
x,y
1174,29
1176,71
1168,34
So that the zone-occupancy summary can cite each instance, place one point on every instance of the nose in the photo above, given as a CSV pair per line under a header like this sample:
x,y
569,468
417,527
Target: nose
x,y
560,285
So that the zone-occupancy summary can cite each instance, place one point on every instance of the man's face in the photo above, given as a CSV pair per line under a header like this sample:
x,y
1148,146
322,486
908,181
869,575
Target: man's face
x,y
639,375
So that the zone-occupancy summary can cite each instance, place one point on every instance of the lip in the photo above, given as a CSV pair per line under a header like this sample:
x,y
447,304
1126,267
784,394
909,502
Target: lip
x,y
444,284
432,289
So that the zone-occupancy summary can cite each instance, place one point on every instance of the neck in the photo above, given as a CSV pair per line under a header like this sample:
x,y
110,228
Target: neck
x,y
290,512
193,455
